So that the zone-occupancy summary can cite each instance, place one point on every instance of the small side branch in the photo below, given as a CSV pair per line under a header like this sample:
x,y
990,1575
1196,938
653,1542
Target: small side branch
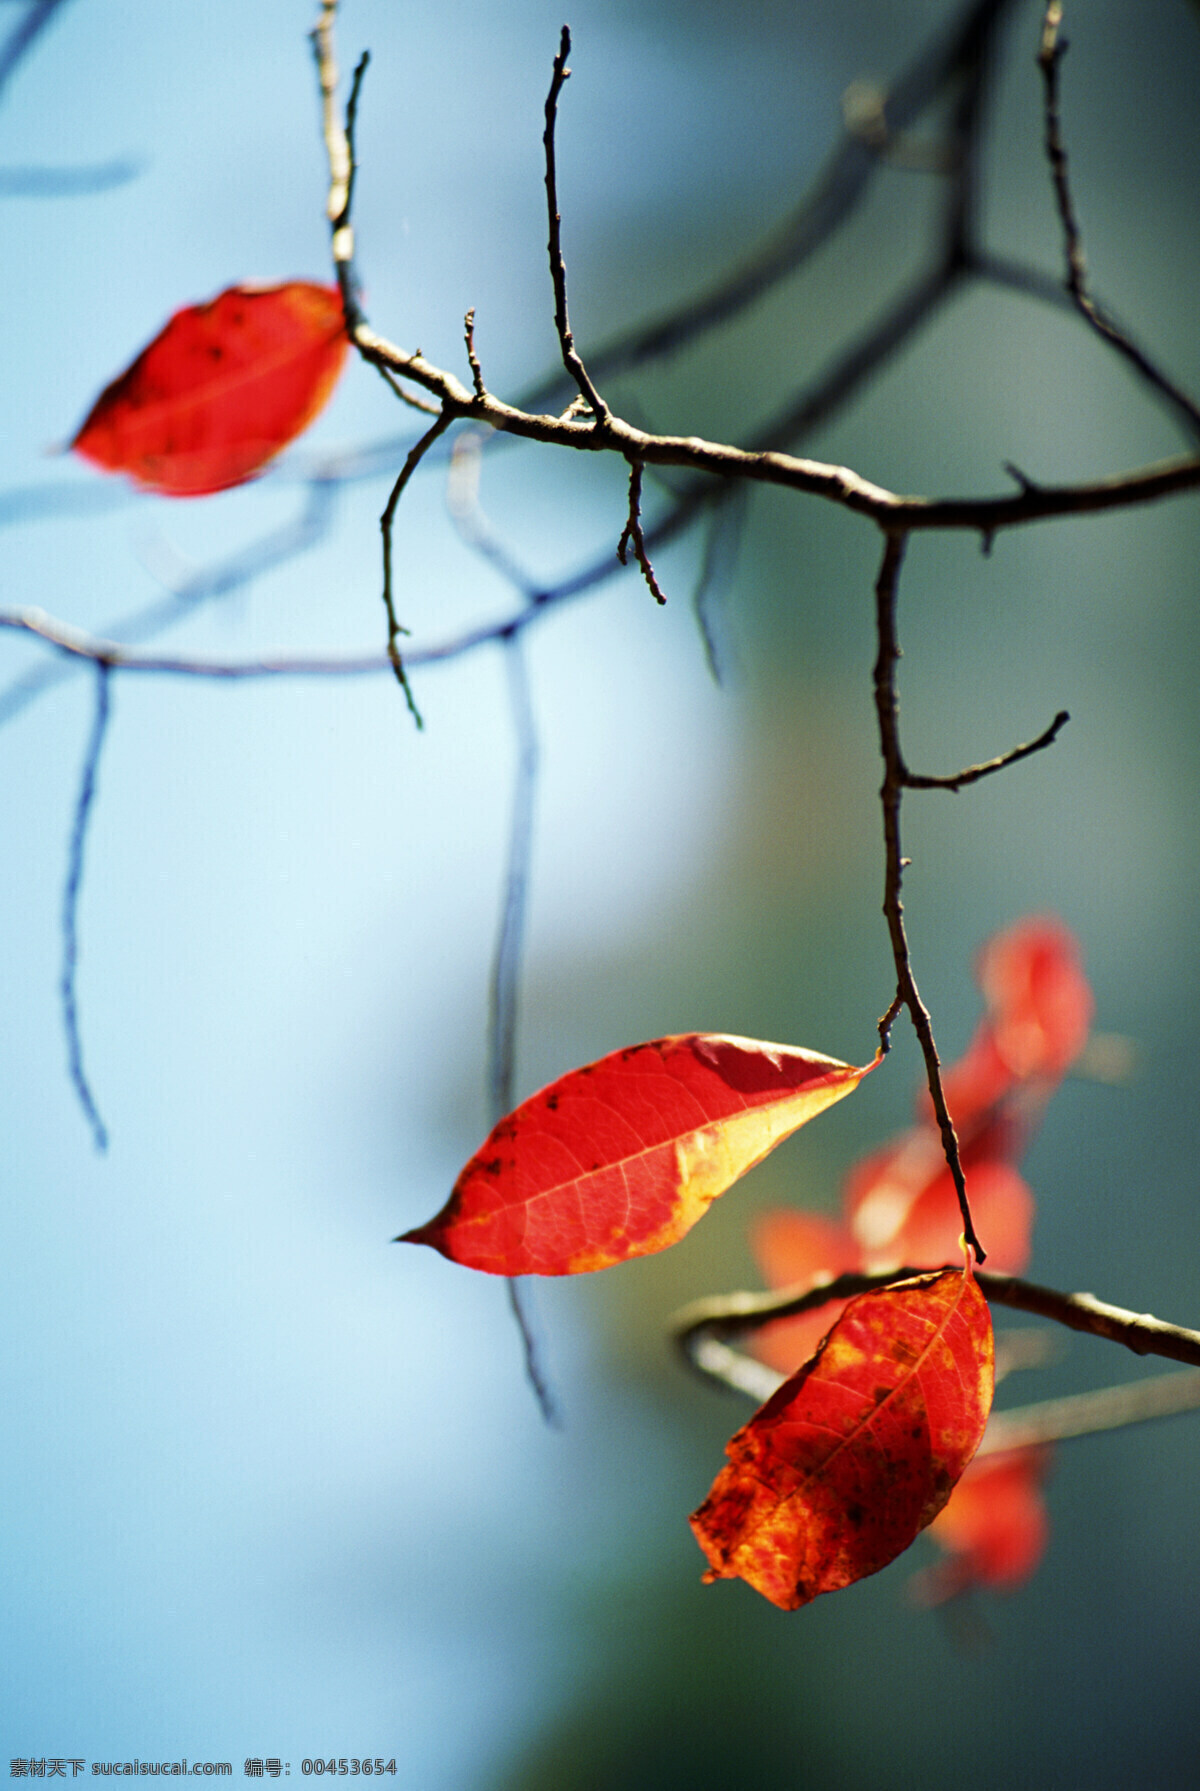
x,y
887,708
558,271
632,536
912,781
70,908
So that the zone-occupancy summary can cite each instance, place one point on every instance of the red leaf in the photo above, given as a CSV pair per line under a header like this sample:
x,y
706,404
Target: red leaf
x,y
220,390
854,1455
621,1158
994,1528
791,1248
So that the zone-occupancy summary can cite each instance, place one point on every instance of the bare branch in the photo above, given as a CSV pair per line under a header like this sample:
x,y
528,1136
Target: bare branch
x,y
733,1315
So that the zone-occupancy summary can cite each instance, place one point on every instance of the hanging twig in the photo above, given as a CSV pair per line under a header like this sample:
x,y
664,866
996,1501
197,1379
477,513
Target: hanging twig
x,y
70,908
632,536
506,967
887,709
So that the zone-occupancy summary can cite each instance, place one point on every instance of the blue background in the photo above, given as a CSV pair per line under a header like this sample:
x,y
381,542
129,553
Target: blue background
x,y
272,1486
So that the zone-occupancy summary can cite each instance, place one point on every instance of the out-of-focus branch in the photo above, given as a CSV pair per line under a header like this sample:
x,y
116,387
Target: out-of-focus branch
x,y
20,40
734,1315
70,909
702,1328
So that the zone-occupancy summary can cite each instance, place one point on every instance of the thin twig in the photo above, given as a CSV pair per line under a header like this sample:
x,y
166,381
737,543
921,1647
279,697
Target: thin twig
x,y
1050,54
70,909
839,188
632,536
887,708
913,781
395,628
558,270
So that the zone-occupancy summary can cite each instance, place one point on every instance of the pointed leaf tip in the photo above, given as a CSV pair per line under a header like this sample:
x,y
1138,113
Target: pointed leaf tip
x,y
220,390
622,1157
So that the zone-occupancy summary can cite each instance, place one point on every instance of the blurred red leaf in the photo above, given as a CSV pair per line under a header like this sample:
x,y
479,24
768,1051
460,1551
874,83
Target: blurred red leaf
x,y
620,1158
220,390
791,1248
1039,1010
860,1449
994,1528
902,1208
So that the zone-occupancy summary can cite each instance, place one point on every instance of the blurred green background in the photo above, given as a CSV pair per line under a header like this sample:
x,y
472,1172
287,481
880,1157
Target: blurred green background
x,y
274,1487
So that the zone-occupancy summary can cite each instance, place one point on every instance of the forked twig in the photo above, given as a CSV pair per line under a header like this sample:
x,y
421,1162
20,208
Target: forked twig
x,y
632,535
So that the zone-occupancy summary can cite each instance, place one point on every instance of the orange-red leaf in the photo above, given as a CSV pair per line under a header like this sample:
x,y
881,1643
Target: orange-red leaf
x,y
621,1158
220,390
994,1528
860,1449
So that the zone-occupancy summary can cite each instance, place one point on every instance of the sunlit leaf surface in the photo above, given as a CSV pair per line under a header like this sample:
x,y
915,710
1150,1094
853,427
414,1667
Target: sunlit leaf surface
x,y
860,1449
621,1158
220,390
